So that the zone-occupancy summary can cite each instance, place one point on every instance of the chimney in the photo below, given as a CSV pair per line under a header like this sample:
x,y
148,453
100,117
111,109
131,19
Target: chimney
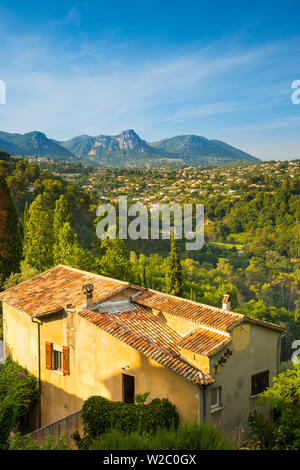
x,y
88,290
226,302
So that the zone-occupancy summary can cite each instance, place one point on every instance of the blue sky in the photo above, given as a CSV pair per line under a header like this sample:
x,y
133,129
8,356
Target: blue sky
x,y
218,69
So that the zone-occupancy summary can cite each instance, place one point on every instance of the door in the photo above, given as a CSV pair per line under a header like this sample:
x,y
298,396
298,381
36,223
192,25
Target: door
x,y
128,388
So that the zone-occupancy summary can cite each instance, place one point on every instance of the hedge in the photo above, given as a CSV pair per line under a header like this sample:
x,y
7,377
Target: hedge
x,y
100,414
18,390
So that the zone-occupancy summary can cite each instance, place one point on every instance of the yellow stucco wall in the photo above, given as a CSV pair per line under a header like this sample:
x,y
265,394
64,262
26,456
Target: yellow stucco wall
x,y
97,361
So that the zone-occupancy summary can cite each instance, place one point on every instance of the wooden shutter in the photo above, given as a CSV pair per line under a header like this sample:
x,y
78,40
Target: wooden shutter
x,y
48,355
66,360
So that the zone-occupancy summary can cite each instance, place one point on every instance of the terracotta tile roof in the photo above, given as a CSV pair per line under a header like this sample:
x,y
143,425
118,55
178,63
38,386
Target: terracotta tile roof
x,y
56,288
143,331
204,341
202,314
52,291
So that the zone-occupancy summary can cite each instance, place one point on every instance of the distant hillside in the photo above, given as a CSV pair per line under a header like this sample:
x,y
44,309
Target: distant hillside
x,y
33,143
125,149
198,149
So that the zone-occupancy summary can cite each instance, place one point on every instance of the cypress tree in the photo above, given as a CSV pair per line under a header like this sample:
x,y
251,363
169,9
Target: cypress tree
x,y
64,235
26,217
62,214
10,236
174,276
64,248
38,242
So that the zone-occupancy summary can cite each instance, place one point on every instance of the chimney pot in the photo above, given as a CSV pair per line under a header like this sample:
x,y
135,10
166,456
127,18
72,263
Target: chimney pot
x,y
88,290
226,302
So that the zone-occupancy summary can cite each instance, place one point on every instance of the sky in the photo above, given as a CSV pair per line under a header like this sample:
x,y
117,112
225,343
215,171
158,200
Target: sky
x,y
222,70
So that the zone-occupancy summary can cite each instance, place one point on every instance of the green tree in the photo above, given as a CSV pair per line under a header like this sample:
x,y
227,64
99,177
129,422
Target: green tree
x,y
4,156
64,246
174,276
115,260
38,243
63,232
25,218
26,272
83,259
10,237
62,214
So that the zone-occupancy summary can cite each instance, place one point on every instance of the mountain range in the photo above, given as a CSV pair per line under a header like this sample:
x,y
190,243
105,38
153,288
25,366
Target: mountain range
x,y
125,149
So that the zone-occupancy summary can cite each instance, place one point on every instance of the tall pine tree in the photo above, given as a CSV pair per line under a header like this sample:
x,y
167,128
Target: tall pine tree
x,y
10,236
174,276
38,241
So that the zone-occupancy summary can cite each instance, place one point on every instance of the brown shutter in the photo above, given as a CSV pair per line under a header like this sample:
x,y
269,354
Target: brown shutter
x,y
66,360
48,355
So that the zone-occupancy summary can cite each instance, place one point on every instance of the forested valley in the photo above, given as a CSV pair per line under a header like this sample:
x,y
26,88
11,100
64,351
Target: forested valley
x,y
252,231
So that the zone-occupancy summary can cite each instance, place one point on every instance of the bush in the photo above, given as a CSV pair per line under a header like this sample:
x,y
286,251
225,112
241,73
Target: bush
x,y
261,431
8,416
18,442
187,437
284,431
18,390
100,414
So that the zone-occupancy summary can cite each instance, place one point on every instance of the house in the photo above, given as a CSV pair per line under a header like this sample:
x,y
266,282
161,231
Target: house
x,y
82,334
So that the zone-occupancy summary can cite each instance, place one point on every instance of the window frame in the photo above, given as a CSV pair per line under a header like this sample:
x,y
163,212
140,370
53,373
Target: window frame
x,y
218,404
57,358
259,382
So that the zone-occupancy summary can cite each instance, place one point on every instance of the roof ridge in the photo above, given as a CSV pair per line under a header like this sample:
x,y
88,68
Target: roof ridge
x,y
207,328
193,302
70,268
126,283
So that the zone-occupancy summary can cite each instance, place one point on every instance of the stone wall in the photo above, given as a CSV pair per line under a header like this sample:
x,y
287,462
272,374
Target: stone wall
x,y
64,426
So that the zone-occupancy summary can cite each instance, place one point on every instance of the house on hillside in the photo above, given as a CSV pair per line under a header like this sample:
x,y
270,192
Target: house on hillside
x,y
82,334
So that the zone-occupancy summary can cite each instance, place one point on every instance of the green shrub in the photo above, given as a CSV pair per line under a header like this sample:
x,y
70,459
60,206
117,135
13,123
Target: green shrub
x,y
12,375
261,431
8,415
100,414
18,390
187,437
18,442
283,433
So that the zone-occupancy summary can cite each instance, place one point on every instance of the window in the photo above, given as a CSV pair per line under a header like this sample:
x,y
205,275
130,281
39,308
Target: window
x,y
57,358
128,388
259,382
215,397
